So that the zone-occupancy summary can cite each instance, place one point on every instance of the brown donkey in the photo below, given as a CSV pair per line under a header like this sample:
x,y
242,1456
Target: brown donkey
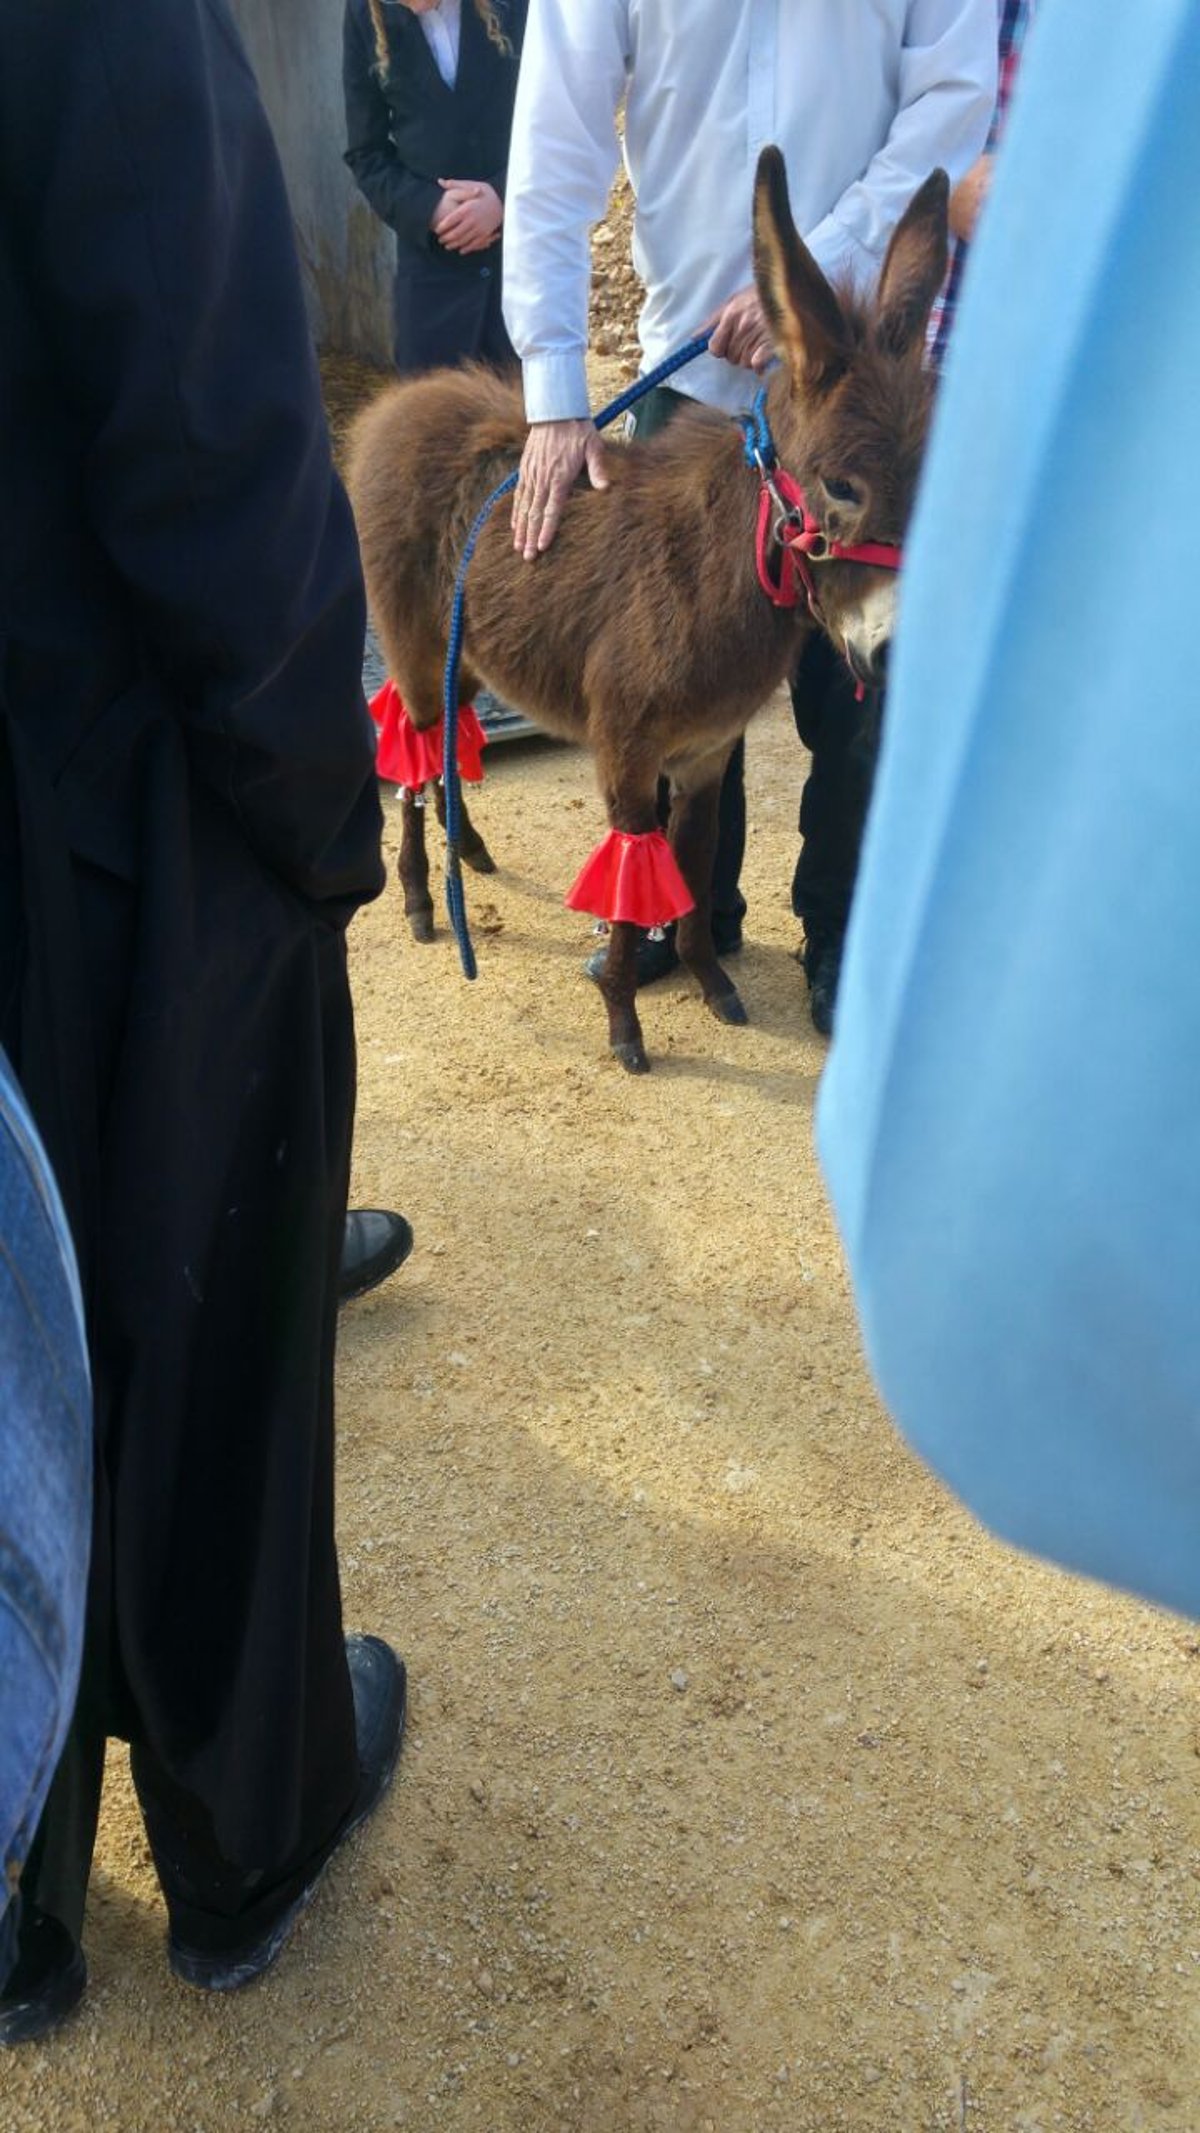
x,y
644,630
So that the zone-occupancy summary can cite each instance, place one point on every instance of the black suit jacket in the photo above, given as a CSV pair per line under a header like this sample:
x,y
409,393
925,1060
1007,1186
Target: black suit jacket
x,y
409,130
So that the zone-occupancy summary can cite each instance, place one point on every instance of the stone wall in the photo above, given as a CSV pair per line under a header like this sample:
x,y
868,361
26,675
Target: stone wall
x,y
295,47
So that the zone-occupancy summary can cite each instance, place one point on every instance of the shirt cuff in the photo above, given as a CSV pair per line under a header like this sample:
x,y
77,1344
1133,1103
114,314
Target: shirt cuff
x,y
841,257
556,387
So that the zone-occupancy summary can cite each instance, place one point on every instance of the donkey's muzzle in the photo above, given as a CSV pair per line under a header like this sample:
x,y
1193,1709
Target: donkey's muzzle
x,y
869,668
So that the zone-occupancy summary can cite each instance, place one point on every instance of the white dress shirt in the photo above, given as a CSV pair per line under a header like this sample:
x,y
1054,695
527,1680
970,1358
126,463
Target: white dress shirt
x,y
864,97
443,28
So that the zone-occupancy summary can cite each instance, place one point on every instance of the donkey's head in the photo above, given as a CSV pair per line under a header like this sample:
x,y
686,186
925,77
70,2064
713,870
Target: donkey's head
x,y
850,410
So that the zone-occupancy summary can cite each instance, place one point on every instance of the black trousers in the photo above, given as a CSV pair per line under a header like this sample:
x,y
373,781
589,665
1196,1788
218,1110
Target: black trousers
x,y
214,1638
728,904
212,1903
843,738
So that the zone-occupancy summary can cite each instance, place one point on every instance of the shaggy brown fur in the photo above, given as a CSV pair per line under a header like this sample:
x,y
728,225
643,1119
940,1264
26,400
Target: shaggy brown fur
x,y
643,630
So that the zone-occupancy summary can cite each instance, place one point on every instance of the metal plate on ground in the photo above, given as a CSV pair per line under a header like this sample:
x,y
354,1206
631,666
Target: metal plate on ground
x,y
499,721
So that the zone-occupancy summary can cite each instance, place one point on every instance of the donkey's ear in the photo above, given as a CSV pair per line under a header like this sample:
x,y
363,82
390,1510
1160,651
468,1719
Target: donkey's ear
x,y
802,311
915,267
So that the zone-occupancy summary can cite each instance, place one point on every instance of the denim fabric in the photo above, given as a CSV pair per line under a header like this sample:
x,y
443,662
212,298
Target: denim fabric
x,y
45,1484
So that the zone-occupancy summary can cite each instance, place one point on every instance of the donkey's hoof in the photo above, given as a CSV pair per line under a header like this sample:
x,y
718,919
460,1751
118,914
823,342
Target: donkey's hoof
x,y
727,1007
420,924
480,860
632,1058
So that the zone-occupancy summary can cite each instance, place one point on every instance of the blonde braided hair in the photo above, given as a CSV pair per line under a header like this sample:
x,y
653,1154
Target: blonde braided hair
x,y
483,8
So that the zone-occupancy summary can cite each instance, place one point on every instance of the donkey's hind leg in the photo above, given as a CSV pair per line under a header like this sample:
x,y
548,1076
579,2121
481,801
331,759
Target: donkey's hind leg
x,y
413,867
472,850
695,794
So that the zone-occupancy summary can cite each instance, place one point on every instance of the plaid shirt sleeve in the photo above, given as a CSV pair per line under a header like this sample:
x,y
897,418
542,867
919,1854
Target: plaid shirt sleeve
x,y
1015,17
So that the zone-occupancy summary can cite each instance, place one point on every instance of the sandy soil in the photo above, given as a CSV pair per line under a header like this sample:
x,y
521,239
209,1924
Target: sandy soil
x,y
749,1788
748,1785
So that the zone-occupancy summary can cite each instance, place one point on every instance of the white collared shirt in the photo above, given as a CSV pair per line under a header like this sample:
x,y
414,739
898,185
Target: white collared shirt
x,y
443,29
864,97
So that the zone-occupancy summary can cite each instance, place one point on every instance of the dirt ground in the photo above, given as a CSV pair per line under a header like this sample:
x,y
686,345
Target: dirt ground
x,y
749,1787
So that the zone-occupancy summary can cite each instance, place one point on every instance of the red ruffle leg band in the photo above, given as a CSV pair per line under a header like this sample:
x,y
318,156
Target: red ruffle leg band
x,y
632,878
409,757
472,740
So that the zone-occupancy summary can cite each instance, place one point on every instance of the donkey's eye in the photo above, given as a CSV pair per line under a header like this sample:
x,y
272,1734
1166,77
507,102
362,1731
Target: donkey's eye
x,y
840,492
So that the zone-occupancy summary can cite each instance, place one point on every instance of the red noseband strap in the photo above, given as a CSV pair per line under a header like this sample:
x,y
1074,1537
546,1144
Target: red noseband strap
x,y
784,517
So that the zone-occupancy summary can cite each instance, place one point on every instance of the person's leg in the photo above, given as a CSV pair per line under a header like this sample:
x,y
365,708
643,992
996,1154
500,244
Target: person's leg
x,y
46,1456
234,1430
728,903
225,1139
841,735
56,1873
228,1921
49,1975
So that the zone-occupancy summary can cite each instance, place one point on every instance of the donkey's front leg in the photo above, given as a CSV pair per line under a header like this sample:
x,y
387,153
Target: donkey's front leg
x,y
471,848
693,835
629,802
413,866
619,987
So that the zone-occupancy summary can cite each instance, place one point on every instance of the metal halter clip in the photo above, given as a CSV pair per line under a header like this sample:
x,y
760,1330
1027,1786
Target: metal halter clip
x,y
784,514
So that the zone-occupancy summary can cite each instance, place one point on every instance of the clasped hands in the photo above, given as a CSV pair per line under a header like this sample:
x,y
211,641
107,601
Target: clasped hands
x,y
467,218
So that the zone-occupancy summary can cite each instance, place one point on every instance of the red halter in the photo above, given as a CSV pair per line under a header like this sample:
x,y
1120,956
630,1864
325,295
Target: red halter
x,y
784,518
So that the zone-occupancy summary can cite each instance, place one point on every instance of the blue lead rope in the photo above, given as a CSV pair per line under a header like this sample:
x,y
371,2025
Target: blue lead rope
x,y
455,897
757,441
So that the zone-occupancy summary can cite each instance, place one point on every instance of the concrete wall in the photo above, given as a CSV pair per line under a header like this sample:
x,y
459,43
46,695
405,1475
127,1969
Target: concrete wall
x,y
295,47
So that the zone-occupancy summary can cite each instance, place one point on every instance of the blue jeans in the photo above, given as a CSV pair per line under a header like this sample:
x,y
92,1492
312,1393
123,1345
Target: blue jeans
x,y
45,1487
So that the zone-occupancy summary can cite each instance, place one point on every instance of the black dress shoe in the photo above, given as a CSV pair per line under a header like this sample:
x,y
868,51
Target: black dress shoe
x,y
375,1244
380,1688
823,969
47,1983
655,959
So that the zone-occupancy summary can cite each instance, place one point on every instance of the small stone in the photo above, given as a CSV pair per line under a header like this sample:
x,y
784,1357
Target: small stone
x,y
477,1791
679,1680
